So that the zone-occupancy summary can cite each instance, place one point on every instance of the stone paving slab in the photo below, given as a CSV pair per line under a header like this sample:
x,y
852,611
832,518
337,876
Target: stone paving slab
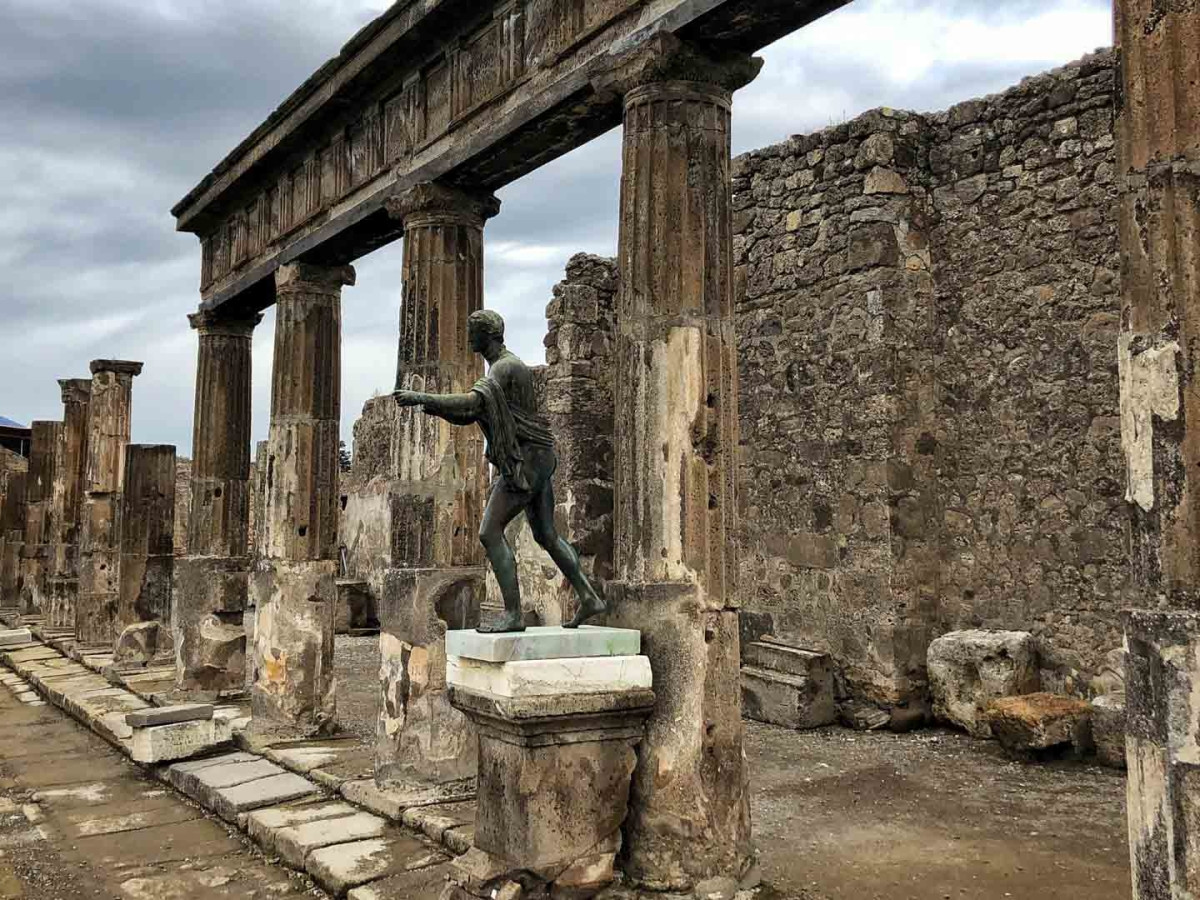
x,y
202,783
393,800
544,642
15,637
435,821
132,821
264,824
421,884
296,842
344,866
230,803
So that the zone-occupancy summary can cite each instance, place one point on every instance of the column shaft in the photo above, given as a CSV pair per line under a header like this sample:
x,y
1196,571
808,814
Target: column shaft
x,y
1158,143
147,535
100,538
675,517
293,589
12,524
439,488
37,552
69,484
209,598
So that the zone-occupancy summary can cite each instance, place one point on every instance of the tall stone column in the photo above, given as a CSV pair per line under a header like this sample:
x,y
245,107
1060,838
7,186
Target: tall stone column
x,y
676,440
147,552
100,540
293,588
436,580
12,525
37,553
1158,140
209,599
70,474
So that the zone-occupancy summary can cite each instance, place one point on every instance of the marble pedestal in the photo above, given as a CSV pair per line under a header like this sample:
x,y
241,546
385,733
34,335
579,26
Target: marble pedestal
x,y
556,752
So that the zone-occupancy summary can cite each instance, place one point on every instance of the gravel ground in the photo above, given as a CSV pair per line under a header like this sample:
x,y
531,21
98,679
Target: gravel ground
x,y
356,661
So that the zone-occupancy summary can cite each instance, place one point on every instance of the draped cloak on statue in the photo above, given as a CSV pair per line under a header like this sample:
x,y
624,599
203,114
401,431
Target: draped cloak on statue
x,y
509,426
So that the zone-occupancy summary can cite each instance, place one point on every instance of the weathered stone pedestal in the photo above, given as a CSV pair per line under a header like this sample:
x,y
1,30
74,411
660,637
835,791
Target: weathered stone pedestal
x,y
556,753
422,739
207,623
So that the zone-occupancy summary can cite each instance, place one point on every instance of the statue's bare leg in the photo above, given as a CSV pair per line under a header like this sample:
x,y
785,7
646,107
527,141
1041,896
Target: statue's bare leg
x,y
541,523
503,506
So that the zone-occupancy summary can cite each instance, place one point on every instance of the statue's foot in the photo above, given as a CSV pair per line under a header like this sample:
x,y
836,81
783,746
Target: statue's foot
x,y
590,606
510,621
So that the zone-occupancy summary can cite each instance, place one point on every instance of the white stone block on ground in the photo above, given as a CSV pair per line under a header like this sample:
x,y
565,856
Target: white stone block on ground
x,y
544,642
969,669
15,637
178,740
170,715
541,677
293,844
345,866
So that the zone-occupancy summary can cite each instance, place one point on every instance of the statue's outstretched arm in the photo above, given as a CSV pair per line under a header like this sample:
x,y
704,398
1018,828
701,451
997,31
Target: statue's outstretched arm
x,y
460,409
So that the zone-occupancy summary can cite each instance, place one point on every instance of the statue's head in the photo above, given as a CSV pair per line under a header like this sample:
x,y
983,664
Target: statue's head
x,y
484,328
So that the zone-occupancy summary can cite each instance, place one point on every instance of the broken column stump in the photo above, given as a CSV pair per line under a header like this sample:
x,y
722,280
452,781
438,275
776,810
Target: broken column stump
x,y
69,484
544,718
211,581
147,556
293,587
109,415
37,551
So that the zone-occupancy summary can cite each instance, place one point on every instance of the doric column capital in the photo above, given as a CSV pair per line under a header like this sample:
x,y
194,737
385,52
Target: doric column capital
x,y
307,278
212,322
116,366
666,60
430,203
75,390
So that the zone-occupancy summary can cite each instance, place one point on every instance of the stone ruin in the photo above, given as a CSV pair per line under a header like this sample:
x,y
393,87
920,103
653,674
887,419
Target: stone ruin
x,y
890,419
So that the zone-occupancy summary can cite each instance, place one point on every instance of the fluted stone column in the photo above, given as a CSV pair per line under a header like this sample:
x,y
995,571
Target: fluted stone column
x,y
100,539
293,588
147,553
675,519
437,579
37,553
12,525
70,474
1158,145
209,599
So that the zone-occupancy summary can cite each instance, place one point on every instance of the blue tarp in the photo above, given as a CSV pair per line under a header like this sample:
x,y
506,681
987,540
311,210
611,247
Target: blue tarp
x,y
9,423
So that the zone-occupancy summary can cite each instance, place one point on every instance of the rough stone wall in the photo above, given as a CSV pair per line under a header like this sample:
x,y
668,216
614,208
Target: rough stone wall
x,y
183,503
927,320
576,391
10,462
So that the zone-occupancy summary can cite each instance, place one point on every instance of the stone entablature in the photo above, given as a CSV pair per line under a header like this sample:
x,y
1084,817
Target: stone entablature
x,y
483,92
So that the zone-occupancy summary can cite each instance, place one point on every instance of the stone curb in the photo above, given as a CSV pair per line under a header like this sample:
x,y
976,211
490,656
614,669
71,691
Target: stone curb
x,y
235,784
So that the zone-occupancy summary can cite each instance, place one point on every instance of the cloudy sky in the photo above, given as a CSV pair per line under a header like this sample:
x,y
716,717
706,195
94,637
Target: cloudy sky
x,y
113,109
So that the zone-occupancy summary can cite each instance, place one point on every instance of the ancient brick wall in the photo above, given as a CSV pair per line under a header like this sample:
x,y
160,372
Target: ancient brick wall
x,y
927,317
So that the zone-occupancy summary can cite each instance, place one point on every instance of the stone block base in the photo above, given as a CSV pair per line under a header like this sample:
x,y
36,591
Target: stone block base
x,y
421,737
293,688
179,740
1108,729
968,669
787,686
208,599
536,811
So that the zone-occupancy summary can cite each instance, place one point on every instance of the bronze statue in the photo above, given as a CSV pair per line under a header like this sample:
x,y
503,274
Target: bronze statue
x,y
521,448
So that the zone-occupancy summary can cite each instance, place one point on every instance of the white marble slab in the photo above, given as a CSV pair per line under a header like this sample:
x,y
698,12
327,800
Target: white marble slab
x,y
546,677
544,642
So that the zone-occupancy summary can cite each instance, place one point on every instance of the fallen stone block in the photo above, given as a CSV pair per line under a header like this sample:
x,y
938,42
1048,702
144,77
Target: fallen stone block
x,y
1034,722
294,843
137,644
969,669
787,686
15,638
170,715
178,740
1108,729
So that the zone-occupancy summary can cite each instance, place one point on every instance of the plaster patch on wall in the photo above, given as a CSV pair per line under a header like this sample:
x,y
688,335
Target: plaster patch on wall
x,y
1149,388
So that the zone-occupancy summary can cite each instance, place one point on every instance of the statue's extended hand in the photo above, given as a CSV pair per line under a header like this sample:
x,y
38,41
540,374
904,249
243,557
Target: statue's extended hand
x,y
407,398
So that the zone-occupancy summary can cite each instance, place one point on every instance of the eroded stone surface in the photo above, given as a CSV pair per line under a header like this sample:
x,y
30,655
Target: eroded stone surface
x,y
531,678
1039,721
969,669
544,642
